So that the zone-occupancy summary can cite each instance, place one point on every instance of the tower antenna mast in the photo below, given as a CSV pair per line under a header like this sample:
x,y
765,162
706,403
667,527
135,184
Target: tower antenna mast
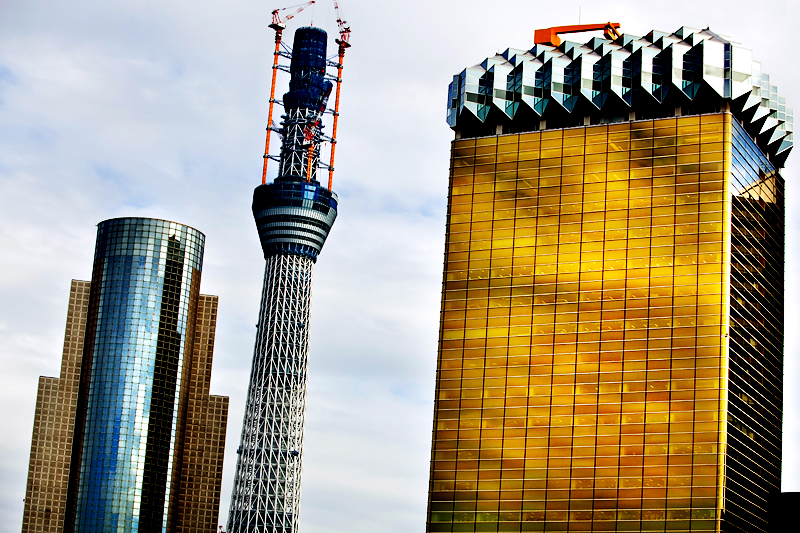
x,y
278,25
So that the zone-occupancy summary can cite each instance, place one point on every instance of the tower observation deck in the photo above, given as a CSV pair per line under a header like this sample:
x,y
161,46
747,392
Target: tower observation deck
x,y
294,215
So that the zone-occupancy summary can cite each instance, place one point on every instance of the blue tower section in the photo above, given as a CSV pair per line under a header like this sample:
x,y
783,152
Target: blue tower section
x,y
294,215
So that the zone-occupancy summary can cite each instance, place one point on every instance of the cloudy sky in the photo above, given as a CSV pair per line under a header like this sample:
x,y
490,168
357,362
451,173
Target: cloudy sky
x,y
158,108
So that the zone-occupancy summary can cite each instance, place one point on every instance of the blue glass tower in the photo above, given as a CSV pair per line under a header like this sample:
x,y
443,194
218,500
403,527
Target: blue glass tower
x,y
135,369
294,215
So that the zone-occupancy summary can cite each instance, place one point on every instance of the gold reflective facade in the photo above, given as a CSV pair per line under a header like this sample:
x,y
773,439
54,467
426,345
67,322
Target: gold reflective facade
x,y
589,377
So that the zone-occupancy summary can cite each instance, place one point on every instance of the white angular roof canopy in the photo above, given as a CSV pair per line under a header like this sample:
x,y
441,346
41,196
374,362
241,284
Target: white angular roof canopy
x,y
632,78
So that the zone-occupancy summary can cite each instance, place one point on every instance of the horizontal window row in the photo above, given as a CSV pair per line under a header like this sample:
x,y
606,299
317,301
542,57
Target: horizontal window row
x,y
644,202
700,449
583,477
552,195
608,284
509,392
616,342
665,239
687,161
568,294
521,263
635,188
471,349
593,426
662,224
632,446
551,226
615,299
501,295
506,211
538,340
695,520
532,208
614,180
506,301
532,501
533,179
584,368
648,140
579,326
700,454
597,159
590,323
587,424
449,407
451,389
659,230
563,486
545,312
618,140
585,375
592,261
614,175
687,124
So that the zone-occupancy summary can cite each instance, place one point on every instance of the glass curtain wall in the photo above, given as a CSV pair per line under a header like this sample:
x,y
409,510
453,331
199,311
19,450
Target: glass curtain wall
x,y
583,360
134,376
755,394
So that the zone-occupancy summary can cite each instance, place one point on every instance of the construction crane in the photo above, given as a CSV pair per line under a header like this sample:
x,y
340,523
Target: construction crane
x,y
550,35
344,43
278,25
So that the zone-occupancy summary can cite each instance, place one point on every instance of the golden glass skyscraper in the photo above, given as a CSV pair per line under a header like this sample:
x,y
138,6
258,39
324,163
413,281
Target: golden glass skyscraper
x,y
611,349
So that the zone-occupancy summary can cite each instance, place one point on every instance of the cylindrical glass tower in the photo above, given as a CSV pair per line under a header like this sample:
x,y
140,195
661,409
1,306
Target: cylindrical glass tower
x,y
134,376
294,216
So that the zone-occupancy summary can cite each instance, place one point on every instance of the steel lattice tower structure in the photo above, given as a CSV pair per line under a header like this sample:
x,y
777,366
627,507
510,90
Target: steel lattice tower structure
x,y
294,215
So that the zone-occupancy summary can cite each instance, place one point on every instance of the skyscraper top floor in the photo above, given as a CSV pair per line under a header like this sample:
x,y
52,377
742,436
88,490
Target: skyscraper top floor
x,y
631,78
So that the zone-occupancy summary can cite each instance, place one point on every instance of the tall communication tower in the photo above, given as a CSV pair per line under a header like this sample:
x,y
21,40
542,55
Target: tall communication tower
x,y
294,215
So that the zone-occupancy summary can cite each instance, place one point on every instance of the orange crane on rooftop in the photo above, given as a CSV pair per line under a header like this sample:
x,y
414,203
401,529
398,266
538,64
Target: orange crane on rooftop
x,y
278,25
550,36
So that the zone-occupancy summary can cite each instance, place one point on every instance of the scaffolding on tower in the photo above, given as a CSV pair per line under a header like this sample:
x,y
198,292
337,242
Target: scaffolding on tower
x,y
312,130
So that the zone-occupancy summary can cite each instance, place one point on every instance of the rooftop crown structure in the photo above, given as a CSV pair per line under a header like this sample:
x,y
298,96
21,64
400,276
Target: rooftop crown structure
x,y
294,215
689,71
